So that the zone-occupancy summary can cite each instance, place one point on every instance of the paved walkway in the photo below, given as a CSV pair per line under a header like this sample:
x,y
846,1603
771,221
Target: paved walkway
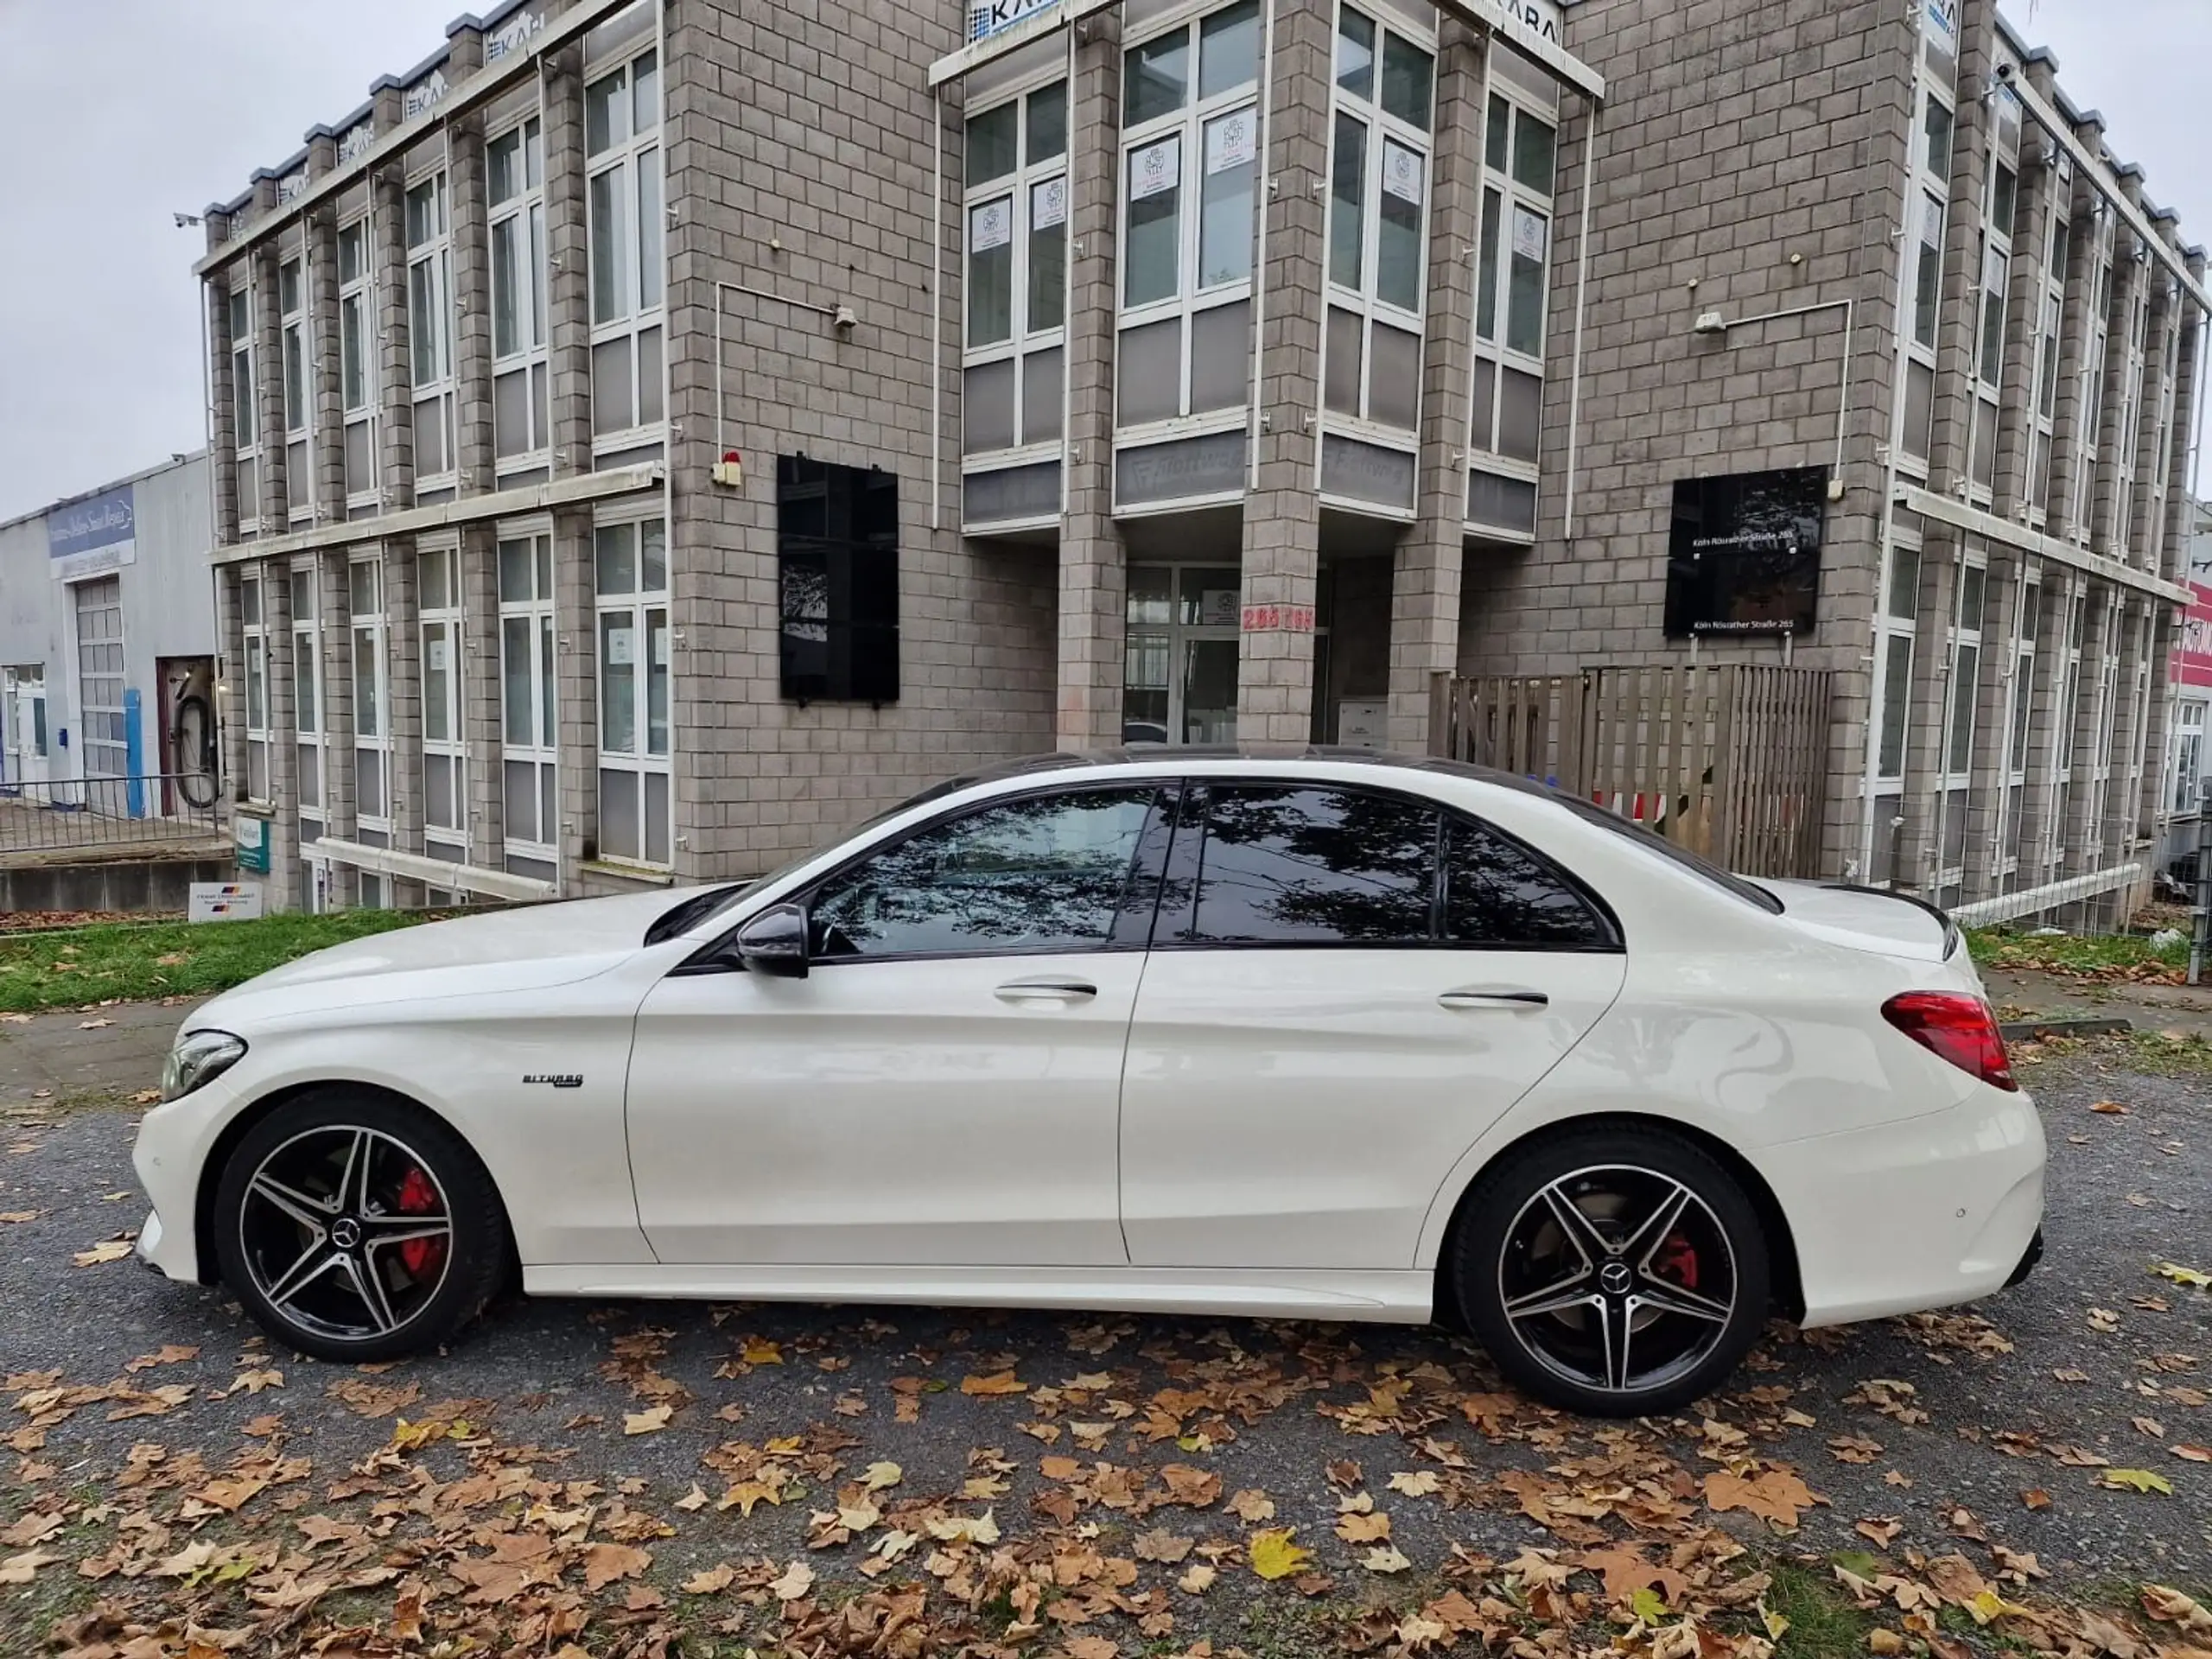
x,y
58,1054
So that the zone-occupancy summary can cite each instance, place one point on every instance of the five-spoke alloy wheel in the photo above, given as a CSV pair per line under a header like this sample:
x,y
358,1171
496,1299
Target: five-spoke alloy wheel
x,y
1616,1273
355,1227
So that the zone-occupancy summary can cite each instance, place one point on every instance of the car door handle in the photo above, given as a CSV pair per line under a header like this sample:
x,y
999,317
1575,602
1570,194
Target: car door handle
x,y
1504,997
1045,990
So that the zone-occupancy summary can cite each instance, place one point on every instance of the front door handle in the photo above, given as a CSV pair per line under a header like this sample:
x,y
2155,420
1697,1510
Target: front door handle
x,y
1046,990
1504,997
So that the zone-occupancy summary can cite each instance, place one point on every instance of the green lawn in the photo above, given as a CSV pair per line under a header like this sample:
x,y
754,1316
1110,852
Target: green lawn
x,y
138,961
2084,955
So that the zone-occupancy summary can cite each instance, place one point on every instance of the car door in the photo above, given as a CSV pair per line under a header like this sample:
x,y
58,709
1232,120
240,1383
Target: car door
x,y
1327,1023
941,1087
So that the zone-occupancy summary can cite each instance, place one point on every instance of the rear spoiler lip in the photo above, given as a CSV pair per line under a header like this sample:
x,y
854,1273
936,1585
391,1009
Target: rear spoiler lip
x,y
1950,928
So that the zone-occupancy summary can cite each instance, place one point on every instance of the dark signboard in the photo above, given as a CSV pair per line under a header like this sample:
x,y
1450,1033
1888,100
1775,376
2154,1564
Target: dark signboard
x,y
1744,553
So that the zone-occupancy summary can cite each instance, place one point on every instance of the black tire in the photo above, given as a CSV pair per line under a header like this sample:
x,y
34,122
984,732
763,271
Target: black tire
x,y
394,1234
1626,1266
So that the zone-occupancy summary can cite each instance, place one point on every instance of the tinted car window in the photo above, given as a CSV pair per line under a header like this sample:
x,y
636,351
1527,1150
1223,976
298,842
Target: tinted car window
x,y
1288,865
1498,893
1043,873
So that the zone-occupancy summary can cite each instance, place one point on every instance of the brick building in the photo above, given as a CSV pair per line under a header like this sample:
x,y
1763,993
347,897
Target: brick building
x,y
652,434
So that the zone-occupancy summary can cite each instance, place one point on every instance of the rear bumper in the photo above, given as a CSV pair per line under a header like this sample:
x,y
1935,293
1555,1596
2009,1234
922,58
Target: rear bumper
x,y
1925,1214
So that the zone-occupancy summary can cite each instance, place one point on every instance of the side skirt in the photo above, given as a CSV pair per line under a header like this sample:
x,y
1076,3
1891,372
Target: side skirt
x,y
1400,1298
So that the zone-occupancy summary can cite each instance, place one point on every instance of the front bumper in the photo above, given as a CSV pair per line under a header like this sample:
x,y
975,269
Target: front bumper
x,y
1908,1215
173,1141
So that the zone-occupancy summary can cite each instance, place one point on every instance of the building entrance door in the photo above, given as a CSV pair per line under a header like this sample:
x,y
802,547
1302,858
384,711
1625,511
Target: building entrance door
x,y
1181,663
23,726
103,748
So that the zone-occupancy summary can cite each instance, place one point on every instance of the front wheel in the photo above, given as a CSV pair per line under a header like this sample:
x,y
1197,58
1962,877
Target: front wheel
x,y
1613,1272
355,1227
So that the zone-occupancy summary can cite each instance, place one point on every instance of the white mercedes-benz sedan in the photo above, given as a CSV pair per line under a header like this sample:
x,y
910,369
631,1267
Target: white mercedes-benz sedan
x,y
1316,1033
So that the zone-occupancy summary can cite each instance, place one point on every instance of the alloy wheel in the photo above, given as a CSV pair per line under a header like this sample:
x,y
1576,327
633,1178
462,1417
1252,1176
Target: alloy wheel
x,y
346,1232
1618,1278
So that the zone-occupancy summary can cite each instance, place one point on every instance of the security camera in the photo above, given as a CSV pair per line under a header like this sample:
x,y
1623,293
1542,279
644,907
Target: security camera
x,y
2006,71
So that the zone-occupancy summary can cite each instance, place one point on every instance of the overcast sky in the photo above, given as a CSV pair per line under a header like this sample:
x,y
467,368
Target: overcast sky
x,y
115,115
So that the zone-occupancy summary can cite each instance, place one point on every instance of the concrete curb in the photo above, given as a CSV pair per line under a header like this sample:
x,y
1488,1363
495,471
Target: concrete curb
x,y
2028,1030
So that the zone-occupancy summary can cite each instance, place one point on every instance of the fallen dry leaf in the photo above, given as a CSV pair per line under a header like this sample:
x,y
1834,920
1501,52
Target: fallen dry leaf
x,y
1385,1560
113,1250
999,1383
1777,1496
606,1562
2109,1108
2136,1480
1251,1506
650,1420
1157,1545
798,1579
1197,1579
1275,1556
19,1215
711,1581
1418,1483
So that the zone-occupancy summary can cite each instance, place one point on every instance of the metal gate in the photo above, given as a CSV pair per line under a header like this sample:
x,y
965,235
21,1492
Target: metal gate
x,y
1729,760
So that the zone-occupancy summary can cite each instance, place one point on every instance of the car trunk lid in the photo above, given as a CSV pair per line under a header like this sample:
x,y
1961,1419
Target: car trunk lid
x,y
1868,918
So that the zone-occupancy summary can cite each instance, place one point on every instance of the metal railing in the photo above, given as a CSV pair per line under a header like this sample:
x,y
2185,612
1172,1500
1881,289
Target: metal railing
x,y
150,808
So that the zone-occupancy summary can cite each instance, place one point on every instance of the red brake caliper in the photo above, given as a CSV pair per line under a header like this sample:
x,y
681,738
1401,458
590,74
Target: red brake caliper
x,y
418,1197
1678,1259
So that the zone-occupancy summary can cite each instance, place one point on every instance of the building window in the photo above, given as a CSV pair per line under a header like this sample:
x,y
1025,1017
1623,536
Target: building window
x,y
1013,379
1997,228
2067,734
1958,739
1924,276
837,577
622,142
307,693
1512,267
515,185
2189,758
357,361
298,394
2050,331
1378,242
429,327
530,737
1178,682
255,647
2088,441
1190,162
445,781
245,402
371,715
629,564
2011,831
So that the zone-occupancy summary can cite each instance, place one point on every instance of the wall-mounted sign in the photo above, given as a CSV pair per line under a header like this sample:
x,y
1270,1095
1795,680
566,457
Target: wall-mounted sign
x,y
1744,553
1233,141
1363,723
1154,169
356,140
292,186
987,17
1278,619
1218,607
1048,204
515,33
92,537
423,96
1541,17
251,835
1939,21
990,225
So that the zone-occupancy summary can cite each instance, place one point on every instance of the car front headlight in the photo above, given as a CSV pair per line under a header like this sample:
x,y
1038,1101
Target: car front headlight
x,y
199,1057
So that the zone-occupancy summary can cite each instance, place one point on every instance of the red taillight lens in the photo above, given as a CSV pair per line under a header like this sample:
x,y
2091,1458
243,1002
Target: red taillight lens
x,y
1958,1027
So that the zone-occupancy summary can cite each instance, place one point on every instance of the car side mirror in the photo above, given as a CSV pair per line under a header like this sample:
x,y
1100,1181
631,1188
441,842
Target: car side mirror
x,y
774,942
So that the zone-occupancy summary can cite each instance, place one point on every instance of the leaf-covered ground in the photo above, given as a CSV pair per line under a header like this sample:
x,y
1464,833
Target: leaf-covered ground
x,y
580,1478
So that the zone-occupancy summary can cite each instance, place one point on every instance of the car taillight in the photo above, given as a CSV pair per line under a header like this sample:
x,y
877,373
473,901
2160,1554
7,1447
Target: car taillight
x,y
1960,1028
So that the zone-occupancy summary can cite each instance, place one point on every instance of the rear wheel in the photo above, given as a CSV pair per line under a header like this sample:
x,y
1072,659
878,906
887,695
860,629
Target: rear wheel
x,y
1613,1272
356,1228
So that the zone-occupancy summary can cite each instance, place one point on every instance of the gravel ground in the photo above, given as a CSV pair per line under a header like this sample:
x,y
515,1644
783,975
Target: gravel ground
x,y
1929,1431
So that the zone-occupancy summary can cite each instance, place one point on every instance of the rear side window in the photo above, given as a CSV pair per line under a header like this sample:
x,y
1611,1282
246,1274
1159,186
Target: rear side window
x,y
1284,865
1499,894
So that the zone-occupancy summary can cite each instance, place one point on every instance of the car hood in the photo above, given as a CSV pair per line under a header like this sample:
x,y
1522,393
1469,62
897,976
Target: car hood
x,y
1866,918
526,948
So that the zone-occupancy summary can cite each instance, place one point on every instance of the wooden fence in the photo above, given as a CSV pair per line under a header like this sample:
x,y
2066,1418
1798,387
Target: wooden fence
x,y
1727,760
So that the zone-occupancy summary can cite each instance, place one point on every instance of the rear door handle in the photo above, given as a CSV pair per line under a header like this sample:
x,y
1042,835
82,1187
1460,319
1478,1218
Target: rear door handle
x,y
1046,990
1503,997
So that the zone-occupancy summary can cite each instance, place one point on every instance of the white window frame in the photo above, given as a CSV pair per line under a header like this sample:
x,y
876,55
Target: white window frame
x,y
518,220
1383,132
2050,324
1929,197
357,323
310,707
1186,127
443,647
369,662
2019,720
1896,624
644,614
1035,188
1512,197
253,617
2186,773
2164,391
635,311
429,293
2089,441
1993,301
245,406
296,343
1962,687
539,748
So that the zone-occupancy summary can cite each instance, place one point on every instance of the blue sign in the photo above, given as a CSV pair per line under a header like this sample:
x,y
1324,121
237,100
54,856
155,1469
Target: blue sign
x,y
106,520
987,17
